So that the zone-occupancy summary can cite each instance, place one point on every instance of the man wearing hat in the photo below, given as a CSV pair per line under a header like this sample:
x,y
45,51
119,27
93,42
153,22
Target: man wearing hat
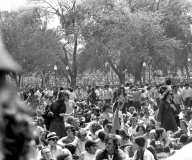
x,y
55,150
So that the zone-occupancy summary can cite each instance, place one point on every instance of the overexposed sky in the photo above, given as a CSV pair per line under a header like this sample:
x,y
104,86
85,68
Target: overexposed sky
x,y
8,5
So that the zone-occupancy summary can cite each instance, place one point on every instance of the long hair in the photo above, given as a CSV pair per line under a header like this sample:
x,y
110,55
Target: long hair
x,y
119,91
158,133
60,96
114,138
152,150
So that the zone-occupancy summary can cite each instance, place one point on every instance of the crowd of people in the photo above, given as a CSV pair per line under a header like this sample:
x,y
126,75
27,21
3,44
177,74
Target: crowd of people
x,y
131,122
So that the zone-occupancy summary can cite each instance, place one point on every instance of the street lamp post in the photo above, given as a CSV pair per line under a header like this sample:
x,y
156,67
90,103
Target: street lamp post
x,y
144,66
55,69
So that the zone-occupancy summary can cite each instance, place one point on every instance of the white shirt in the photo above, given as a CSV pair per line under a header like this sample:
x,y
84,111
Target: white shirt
x,y
132,130
147,155
186,92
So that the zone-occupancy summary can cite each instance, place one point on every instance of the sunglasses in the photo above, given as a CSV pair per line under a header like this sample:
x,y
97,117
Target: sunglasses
x,y
53,139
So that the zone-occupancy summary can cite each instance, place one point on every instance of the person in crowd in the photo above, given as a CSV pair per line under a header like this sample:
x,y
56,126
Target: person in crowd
x,y
186,94
183,141
108,128
157,95
70,105
108,95
166,115
70,138
183,130
152,150
90,152
140,130
141,153
100,141
93,96
56,150
177,99
111,151
132,129
33,101
93,129
106,115
137,98
83,137
58,109
122,97
160,143
46,154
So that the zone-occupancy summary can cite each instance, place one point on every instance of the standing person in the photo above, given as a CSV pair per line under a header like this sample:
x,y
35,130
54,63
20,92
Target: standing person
x,y
33,101
111,151
92,96
108,94
72,95
122,96
137,98
186,95
142,153
58,109
157,95
70,105
166,115
177,99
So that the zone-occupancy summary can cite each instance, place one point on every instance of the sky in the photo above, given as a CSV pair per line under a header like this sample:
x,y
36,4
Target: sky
x,y
8,5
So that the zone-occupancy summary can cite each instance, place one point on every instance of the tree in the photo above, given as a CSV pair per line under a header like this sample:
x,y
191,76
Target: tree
x,y
31,43
71,15
126,39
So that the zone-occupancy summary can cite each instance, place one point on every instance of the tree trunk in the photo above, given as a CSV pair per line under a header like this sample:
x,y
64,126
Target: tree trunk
x,y
73,81
137,76
121,78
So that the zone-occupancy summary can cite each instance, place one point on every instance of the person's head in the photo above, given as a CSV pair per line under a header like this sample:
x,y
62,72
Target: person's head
x,y
186,85
66,95
95,127
102,135
63,156
160,133
140,130
106,108
124,134
111,142
183,139
152,134
70,130
46,153
168,95
148,128
132,109
139,142
108,128
52,139
60,96
69,120
141,114
133,121
91,147
175,88
82,134
76,122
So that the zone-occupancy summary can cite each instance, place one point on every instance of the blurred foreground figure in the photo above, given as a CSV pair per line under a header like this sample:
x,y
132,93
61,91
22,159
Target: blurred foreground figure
x,y
15,129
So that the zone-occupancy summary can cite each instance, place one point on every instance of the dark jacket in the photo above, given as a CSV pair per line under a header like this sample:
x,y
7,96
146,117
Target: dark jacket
x,y
118,155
